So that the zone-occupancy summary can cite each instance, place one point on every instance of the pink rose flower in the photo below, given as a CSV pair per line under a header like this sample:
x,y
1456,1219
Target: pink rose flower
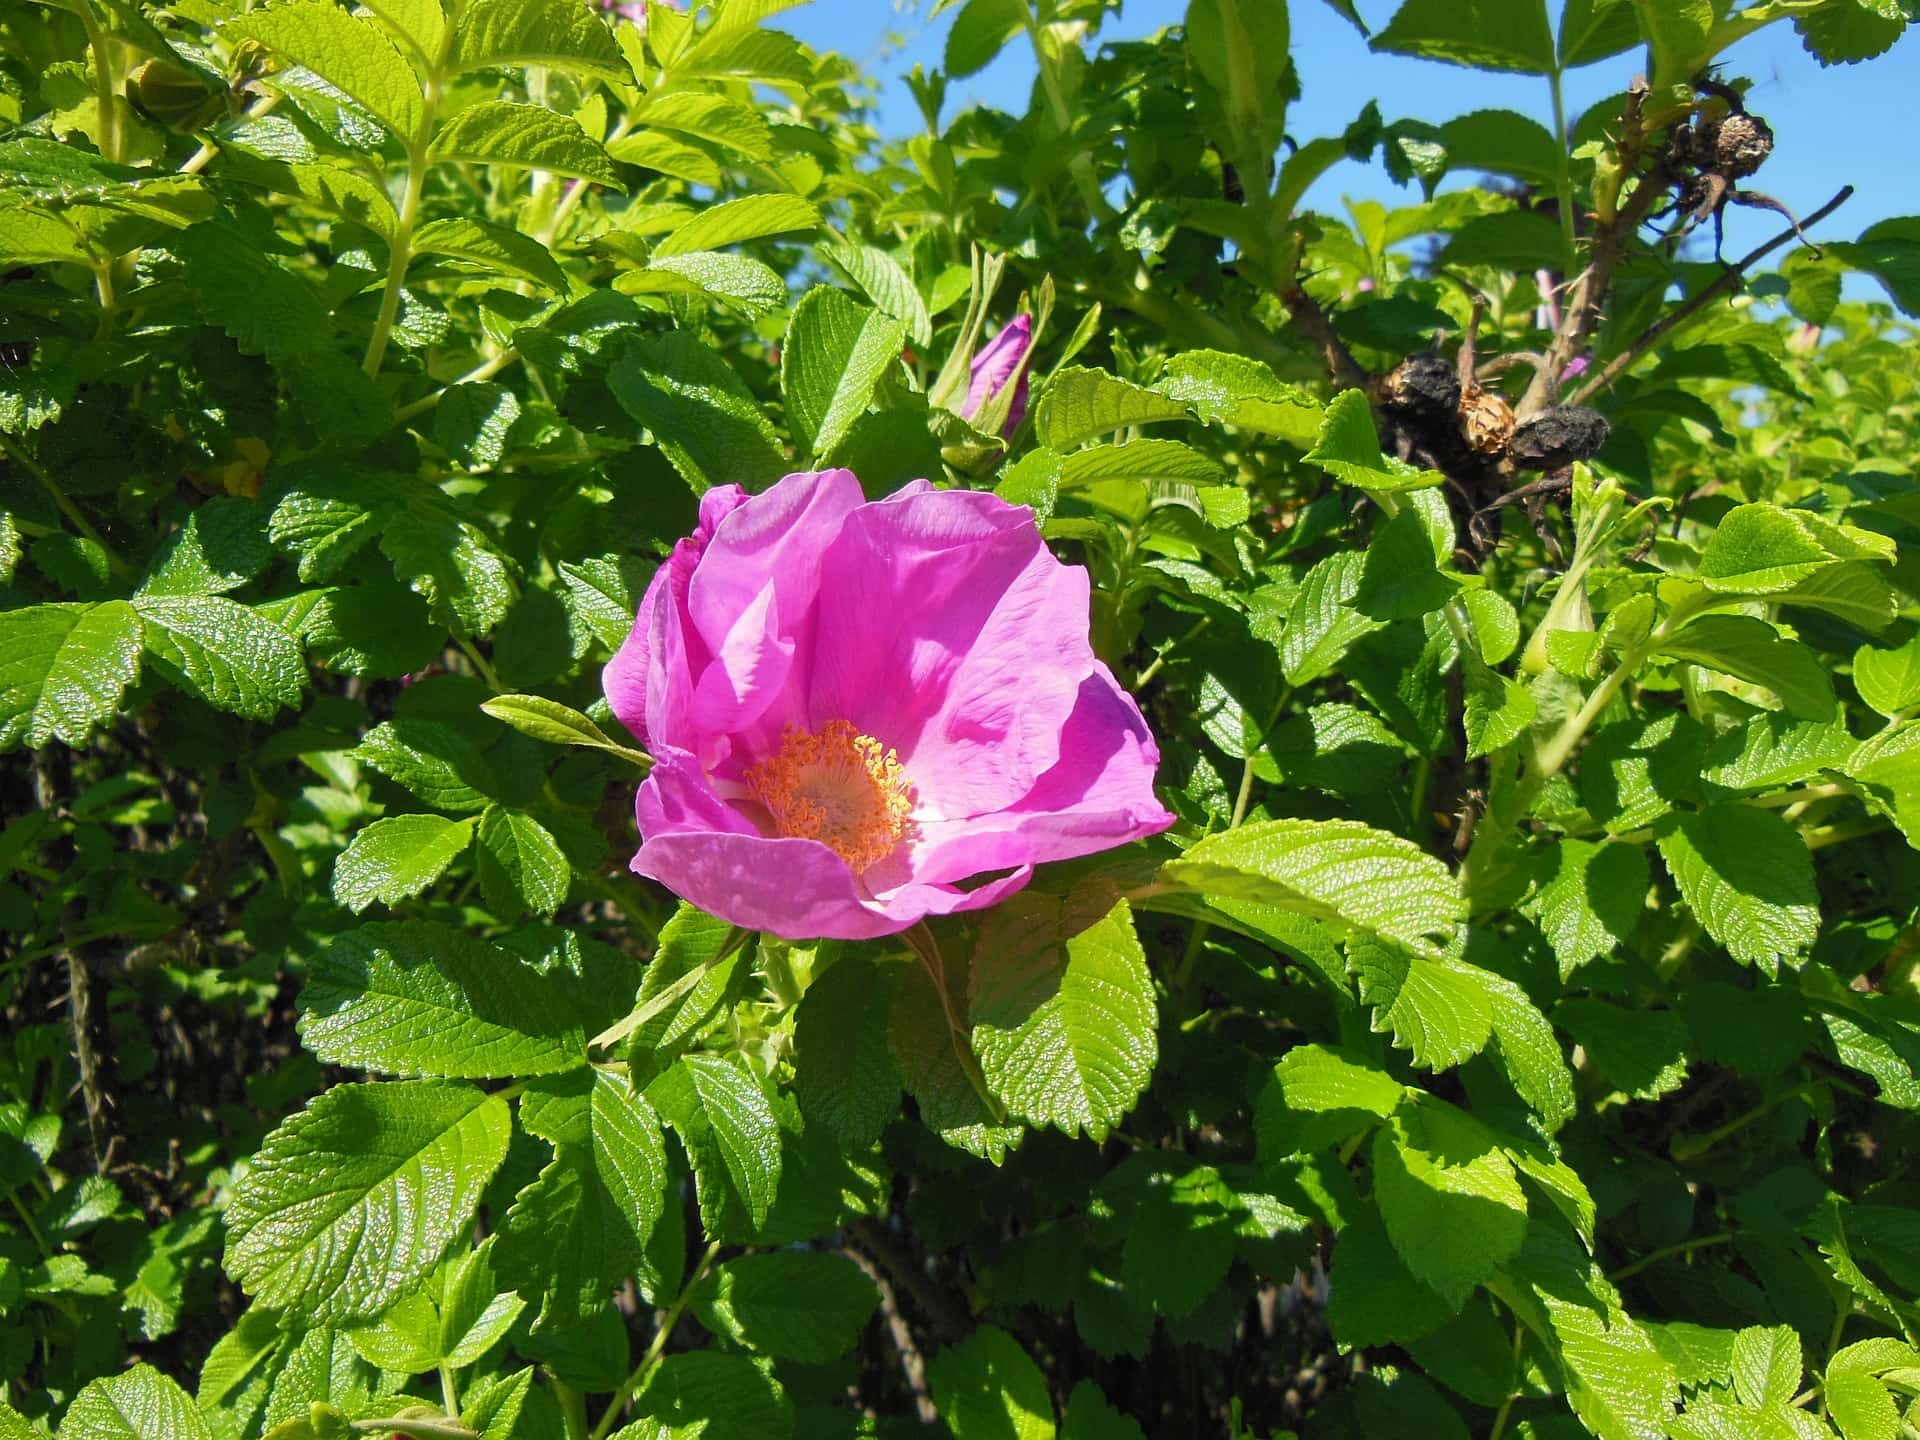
x,y
853,706
994,366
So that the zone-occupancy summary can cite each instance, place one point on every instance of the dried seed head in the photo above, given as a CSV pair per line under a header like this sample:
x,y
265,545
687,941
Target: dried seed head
x,y
1557,437
1422,385
1486,421
1741,145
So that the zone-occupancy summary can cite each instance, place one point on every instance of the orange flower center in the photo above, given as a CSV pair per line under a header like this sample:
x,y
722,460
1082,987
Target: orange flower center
x,y
839,787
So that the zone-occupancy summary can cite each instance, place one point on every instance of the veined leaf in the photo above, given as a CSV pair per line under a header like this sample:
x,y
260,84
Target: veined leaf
x,y
538,32
231,656
753,217
353,54
1748,879
1484,34
1341,870
834,354
500,132
139,1404
791,1304
491,247
1080,404
1348,448
351,1202
63,669
397,857
421,999
1451,1200
729,1131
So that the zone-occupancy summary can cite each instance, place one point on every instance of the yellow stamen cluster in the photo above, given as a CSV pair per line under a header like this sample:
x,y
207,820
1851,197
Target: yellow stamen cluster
x,y
839,787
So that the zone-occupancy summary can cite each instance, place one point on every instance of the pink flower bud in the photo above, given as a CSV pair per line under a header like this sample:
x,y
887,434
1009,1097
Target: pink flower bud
x,y
995,365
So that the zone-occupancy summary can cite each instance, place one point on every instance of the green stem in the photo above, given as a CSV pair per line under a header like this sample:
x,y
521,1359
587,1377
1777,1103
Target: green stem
x,y
1667,1252
654,1351
1689,1147
1563,177
66,507
573,1410
449,1395
105,82
39,1240
479,663
486,370
1513,1391
429,1429
400,251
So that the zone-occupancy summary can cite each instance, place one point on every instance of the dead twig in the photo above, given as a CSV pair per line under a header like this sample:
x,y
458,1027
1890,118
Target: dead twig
x,y
1728,281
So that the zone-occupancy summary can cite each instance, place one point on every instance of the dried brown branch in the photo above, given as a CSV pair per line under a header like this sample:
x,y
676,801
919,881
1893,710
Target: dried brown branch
x,y
1728,281
1346,372
913,1364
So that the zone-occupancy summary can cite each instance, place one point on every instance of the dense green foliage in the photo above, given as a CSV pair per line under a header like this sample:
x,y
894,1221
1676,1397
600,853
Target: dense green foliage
x,y
1519,1034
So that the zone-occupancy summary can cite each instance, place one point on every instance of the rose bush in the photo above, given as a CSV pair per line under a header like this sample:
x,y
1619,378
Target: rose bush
x,y
1251,819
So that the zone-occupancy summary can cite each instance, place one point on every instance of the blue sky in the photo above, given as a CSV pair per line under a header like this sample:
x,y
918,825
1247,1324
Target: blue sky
x,y
1849,123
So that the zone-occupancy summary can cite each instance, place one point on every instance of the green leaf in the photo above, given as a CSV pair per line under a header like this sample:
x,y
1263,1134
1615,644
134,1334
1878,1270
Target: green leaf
x,y
1593,30
1845,32
1508,240
1502,142
833,356
730,1134
1773,750
397,857
702,416
63,669
493,248
1226,389
1618,1384
473,1313
1090,1417
441,766
555,723
452,562
844,1075
1339,870
715,119
1766,1364
350,1203
1496,624
987,1388
886,285
1374,1299
422,998
752,288
792,1305
979,32
1635,771
1323,622
1761,549
1889,680
1497,710
1448,1193
692,944
657,150
583,1225
1861,1406
1079,404
1890,252
1436,1010
538,32
352,54
1348,448
753,217
1643,1052
139,1404
500,132
708,1393
1484,34
1587,899
937,1065
1063,1013
1529,1051
220,547
1752,650
521,865
1319,1078
1748,879
228,655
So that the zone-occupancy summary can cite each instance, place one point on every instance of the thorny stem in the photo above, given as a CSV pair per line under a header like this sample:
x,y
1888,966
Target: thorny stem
x,y
1727,281
657,1348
